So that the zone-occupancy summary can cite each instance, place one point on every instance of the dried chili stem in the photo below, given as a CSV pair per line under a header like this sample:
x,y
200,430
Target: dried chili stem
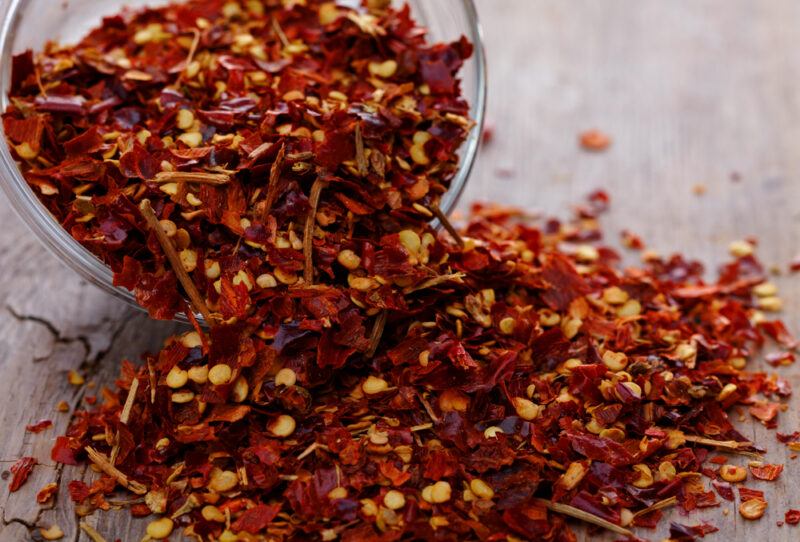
x,y
437,212
308,233
105,465
435,281
124,416
169,250
361,157
198,177
308,451
421,427
428,408
280,33
577,513
377,333
731,445
91,532
671,501
272,186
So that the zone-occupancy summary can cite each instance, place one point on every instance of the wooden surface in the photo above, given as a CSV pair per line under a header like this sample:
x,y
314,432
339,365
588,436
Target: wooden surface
x,y
691,91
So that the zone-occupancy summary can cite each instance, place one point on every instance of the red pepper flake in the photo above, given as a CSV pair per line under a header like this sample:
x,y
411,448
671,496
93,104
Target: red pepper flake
x,y
766,472
20,472
39,426
46,493
792,517
594,140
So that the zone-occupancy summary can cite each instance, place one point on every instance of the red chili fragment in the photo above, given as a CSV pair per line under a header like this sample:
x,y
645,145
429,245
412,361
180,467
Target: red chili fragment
x,y
594,140
20,472
766,472
39,426
792,517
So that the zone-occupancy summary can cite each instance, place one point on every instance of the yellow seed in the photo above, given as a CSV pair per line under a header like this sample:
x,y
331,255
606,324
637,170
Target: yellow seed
x,y
369,507
383,69
770,304
328,12
615,361
586,253
348,259
182,397
686,351
170,189
733,473
212,513
188,259
752,508
765,289
571,327
265,281
160,528
481,489
283,426
549,318
362,284
193,200
738,362
242,278
645,479
615,295
222,480
54,532
25,151
394,500
184,119
240,390
632,307
573,475
667,471
212,269
726,391
285,377
492,431
192,340
192,69
634,388
284,277
526,409
373,385
75,378
410,240
337,493
177,377
220,374
418,155
440,492
228,536
191,139
507,325
198,374
740,249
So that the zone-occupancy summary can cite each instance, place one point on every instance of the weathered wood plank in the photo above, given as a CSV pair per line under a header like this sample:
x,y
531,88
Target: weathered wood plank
x,y
691,91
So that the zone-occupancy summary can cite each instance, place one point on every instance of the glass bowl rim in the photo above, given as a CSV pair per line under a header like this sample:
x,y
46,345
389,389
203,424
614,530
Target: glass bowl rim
x,y
81,260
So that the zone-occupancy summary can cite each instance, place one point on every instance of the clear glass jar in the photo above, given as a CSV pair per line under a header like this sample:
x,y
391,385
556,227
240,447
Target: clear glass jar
x,y
29,24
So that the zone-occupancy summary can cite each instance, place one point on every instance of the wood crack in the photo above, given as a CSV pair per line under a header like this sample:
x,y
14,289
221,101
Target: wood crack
x,y
58,337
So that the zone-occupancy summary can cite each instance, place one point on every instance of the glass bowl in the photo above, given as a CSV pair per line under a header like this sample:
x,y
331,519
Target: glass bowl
x,y
29,24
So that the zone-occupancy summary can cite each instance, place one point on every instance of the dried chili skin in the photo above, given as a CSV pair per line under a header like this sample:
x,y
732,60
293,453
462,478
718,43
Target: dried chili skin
x,y
20,471
255,103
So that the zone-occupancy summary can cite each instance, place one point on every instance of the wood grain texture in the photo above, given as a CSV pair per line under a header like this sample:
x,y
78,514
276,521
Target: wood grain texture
x,y
691,91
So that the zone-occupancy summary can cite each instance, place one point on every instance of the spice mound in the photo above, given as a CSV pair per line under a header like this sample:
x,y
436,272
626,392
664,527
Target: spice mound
x,y
533,381
238,147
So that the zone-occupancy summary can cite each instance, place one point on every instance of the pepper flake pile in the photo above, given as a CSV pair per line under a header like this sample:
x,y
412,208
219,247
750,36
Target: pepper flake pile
x,y
534,381
363,377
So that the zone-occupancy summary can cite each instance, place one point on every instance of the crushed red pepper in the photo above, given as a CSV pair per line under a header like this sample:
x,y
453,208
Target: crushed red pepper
x,y
225,116
366,378
537,380
20,471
